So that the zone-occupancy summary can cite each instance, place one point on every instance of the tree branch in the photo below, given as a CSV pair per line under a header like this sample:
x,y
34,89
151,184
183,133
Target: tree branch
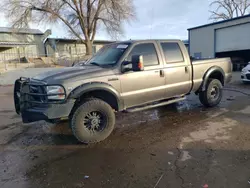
x,y
60,17
68,3
226,9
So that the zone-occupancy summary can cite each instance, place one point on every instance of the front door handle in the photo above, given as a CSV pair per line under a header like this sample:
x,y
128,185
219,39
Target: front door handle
x,y
186,69
162,73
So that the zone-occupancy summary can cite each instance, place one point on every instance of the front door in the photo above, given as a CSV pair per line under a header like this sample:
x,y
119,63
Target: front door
x,y
145,86
177,70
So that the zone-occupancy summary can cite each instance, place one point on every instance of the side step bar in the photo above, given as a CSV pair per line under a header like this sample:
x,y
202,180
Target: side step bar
x,y
146,107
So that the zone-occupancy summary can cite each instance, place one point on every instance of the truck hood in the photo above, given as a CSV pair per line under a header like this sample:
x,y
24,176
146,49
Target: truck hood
x,y
60,75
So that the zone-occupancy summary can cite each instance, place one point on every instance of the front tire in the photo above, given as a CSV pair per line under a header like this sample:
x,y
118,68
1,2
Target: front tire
x,y
213,93
93,121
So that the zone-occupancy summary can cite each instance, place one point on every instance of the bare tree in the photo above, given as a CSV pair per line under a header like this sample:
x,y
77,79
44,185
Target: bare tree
x,y
81,17
227,9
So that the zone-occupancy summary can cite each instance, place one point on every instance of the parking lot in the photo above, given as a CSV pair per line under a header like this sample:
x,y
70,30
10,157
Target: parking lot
x,y
181,145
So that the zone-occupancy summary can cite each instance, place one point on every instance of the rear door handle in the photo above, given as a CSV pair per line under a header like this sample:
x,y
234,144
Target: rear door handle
x,y
186,69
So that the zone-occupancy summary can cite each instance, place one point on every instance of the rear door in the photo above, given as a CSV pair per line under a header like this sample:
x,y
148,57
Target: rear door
x,y
145,86
177,70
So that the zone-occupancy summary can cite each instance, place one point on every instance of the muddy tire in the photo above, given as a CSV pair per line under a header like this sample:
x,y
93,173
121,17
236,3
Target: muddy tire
x,y
213,93
92,121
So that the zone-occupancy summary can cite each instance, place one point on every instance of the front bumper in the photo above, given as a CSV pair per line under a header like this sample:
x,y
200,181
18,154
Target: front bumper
x,y
245,77
34,106
49,113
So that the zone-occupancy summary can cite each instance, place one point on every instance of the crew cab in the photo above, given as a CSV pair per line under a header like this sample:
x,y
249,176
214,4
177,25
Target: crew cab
x,y
122,77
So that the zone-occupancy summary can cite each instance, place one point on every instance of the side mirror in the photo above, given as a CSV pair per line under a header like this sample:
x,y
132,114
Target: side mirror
x,y
137,63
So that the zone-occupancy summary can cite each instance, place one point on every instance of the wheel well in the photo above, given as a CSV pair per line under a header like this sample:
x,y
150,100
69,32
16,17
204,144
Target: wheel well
x,y
103,95
217,75
214,75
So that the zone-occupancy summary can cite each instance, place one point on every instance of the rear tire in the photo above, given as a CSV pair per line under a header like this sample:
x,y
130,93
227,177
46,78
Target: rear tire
x,y
213,93
93,121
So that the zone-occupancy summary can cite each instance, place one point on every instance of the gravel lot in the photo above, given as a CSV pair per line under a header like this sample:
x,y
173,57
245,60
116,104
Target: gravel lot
x,y
9,78
181,145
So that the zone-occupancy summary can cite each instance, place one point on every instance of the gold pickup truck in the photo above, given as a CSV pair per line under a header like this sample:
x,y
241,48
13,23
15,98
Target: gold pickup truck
x,y
125,76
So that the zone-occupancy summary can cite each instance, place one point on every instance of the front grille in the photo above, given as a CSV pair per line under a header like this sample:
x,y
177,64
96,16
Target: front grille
x,y
248,76
37,89
33,94
30,93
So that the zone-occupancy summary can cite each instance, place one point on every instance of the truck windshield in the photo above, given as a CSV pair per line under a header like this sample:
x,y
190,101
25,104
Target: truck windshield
x,y
109,54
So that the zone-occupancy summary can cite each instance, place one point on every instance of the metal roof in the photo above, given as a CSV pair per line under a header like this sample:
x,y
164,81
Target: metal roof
x,y
13,44
75,40
220,22
20,30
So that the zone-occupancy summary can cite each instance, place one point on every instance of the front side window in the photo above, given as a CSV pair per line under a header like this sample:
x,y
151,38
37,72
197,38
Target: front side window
x,y
172,52
148,51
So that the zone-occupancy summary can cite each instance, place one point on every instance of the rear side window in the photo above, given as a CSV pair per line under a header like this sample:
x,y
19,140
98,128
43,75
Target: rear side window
x,y
172,52
148,51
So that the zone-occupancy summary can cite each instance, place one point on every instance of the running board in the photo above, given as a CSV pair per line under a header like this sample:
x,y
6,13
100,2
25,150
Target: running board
x,y
155,105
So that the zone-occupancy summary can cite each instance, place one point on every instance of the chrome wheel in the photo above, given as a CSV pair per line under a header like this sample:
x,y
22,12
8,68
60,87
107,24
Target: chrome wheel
x,y
214,93
95,121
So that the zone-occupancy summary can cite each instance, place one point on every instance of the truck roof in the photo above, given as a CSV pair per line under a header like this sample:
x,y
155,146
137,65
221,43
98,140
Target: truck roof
x,y
150,40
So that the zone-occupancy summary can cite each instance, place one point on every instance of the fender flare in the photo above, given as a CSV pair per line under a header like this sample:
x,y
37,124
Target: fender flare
x,y
94,86
208,74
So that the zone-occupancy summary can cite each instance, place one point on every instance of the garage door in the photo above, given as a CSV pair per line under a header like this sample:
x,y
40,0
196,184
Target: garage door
x,y
233,38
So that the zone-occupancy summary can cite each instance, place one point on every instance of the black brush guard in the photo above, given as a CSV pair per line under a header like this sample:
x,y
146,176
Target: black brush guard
x,y
28,94
31,101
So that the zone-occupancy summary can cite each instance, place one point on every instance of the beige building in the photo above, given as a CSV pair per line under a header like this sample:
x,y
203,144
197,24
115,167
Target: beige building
x,y
17,44
229,38
29,45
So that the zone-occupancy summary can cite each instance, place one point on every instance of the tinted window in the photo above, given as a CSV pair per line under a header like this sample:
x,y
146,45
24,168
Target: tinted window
x,y
172,52
148,51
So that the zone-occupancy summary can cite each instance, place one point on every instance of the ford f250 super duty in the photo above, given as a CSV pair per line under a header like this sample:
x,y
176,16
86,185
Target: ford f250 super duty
x,y
122,77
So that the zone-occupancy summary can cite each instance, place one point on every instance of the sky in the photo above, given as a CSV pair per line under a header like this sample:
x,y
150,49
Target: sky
x,y
156,19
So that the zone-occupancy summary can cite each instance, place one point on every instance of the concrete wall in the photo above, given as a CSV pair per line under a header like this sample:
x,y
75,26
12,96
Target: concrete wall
x,y
202,40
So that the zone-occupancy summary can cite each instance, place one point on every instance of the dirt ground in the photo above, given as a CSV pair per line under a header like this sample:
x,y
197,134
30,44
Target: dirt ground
x,y
181,145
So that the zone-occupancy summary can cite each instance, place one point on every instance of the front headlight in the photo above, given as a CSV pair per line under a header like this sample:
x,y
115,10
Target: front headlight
x,y
55,92
244,71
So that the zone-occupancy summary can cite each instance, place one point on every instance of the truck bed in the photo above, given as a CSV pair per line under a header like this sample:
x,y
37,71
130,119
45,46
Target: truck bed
x,y
200,67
